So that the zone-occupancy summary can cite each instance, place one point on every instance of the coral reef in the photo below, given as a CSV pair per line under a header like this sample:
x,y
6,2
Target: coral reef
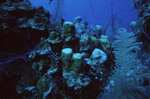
x,y
56,59
42,58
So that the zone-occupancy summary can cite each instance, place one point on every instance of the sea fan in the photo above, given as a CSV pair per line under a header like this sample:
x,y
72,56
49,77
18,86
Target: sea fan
x,y
125,48
124,82
57,11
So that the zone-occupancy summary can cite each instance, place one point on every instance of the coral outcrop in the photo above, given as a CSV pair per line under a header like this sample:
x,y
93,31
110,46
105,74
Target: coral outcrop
x,y
65,61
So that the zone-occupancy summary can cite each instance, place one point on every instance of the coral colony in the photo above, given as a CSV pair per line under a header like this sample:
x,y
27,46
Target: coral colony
x,y
45,56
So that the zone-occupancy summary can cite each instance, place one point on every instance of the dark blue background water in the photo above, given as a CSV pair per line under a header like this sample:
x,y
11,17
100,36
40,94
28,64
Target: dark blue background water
x,y
123,9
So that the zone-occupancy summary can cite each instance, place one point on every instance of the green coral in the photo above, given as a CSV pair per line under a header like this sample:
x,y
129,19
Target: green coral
x,y
84,42
76,62
66,56
71,62
52,35
105,41
68,29
38,66
94,42
43,85
54,63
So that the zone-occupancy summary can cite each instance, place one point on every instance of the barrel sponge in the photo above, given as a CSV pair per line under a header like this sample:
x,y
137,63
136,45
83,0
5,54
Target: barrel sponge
x,y
68,29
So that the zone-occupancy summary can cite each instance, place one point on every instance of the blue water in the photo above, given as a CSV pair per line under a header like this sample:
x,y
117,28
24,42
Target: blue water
x,y
123,9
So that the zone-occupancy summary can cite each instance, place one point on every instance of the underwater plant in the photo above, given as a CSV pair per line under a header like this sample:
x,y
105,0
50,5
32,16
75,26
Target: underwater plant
x,y
124,82
124,48
57,12
93,16
6,58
